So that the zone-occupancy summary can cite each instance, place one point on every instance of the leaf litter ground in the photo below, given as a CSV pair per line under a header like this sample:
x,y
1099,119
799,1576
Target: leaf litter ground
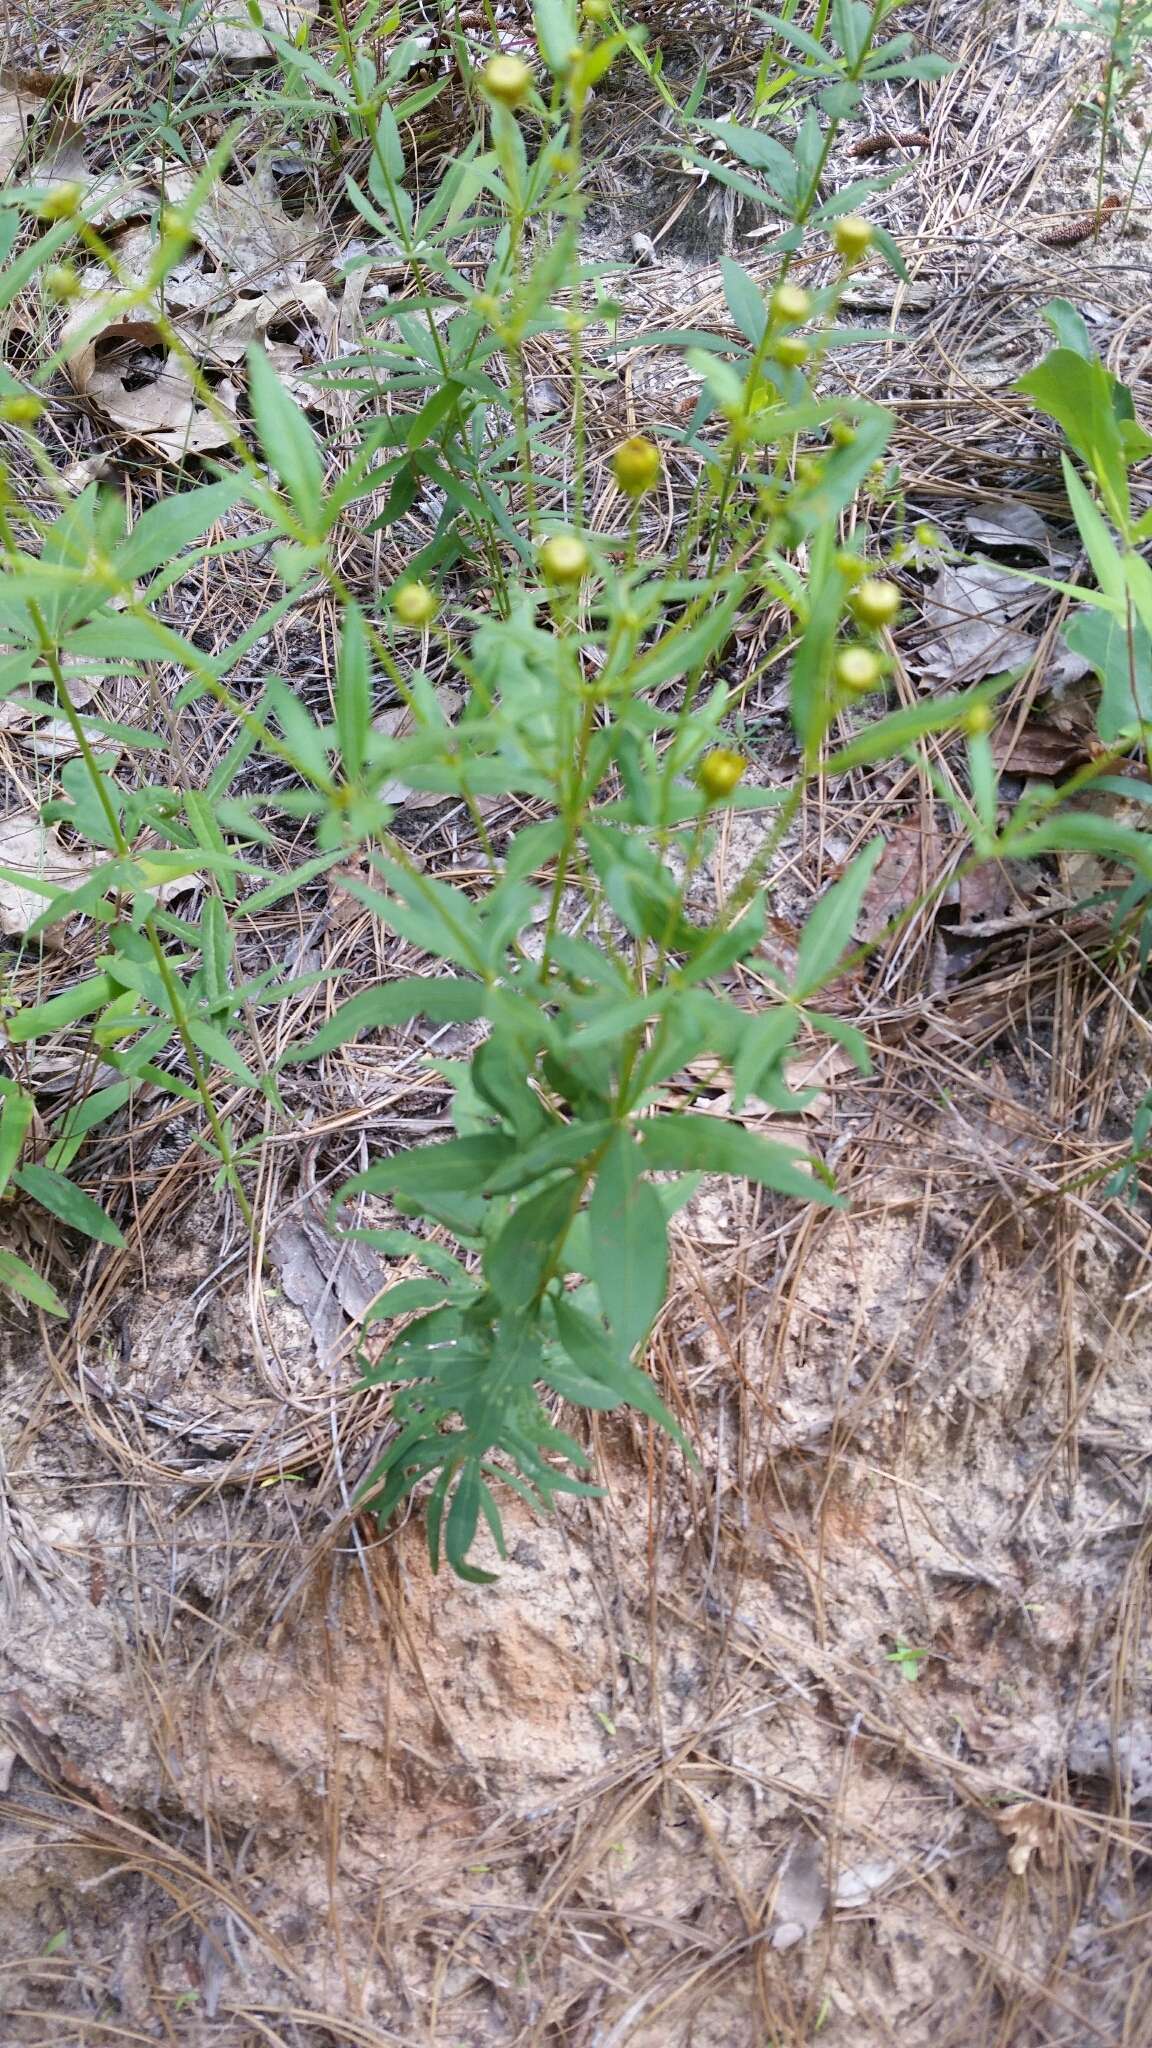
x,y
844,1735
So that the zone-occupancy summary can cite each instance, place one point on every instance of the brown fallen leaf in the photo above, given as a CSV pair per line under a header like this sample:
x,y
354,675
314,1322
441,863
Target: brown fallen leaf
x,y
1038,750
972,606
1034,1829
907,867
28,848
246,230
127,373
296,324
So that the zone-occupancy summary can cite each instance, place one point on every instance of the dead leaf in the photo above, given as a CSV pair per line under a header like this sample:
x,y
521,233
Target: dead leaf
x,y
1038,750
332,1282
801,1894
856,1886
906,868
246,230
971,607
1037,1830
29,848
16,110
296,323
126,371
1009,523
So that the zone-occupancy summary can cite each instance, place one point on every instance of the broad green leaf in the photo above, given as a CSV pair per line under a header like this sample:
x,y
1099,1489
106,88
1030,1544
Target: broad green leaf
x,y
288,443
442,998
557,33
566,1145
829,929
628,1248
20,1278
459,1166
1078,396
745,300
172,524
59,1011
1070,327
761,152
588,1347
529,1246
1121,655
714,1146
353,699
17,1110
64,1199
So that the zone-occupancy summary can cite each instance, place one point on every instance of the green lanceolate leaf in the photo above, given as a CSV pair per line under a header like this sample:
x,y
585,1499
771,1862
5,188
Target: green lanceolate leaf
x,y
64,1199
566,1145
21,1279
445,999
17,1110
828,932
708,1143
627,1243
528,1248
353,694
289,446
458,1167
591,1352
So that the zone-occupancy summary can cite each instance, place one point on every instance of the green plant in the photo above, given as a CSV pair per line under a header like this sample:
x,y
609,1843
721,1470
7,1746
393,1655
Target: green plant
x,y
594,964
1123,26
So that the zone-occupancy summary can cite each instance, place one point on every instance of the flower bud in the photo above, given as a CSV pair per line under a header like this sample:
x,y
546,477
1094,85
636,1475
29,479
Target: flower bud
x,y
21,411
507,79
597,11
875,602
858,670
842,433
852,237
565,559
791,350
719,772
979,718
636,466
414,604
789,305
61,203
61,282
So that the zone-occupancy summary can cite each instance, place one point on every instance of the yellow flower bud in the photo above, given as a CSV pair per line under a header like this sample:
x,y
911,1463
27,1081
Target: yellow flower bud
x,y
414,604
21,411
850,566
979,718
858,670
636,466
565,559
61,203
507,79
719,772
597,11
791,350
853,237
842,433
875,602
790,305
61,282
